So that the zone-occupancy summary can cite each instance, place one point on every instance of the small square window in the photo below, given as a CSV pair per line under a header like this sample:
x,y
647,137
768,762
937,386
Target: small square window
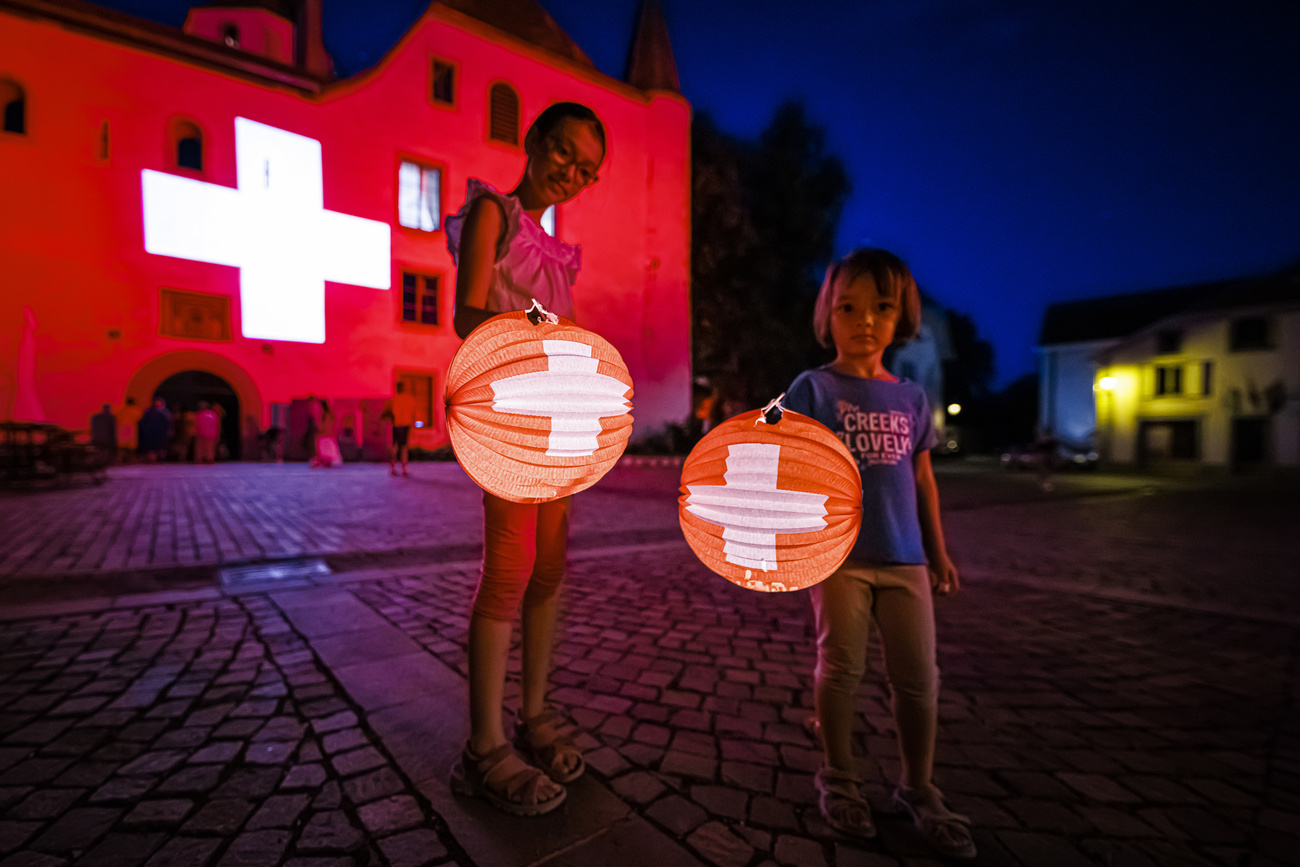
x,y
420,299
1169,380
1249,332
444,82
419,197
1169,342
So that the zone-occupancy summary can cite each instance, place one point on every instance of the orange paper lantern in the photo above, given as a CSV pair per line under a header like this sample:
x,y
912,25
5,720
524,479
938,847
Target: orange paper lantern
x,y
537,408
771,500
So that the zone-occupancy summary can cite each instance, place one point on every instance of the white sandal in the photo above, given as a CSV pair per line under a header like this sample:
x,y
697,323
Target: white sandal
x,y
948,833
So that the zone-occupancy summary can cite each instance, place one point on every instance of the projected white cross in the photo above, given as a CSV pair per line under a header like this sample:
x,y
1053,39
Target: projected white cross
x,y
570,392
273,227
751,509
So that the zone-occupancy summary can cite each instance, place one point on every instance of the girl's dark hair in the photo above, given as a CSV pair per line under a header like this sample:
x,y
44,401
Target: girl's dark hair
x,y
893,280
557,113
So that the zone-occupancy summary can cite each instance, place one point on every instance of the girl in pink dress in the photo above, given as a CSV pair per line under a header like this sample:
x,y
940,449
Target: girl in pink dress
x,y
505,260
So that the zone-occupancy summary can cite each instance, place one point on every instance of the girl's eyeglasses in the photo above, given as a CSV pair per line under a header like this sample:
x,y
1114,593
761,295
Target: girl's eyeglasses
x,y
564,155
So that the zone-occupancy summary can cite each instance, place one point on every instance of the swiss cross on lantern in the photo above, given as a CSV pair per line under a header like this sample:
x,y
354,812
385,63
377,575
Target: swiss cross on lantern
x,y
537,408
771,500
274,227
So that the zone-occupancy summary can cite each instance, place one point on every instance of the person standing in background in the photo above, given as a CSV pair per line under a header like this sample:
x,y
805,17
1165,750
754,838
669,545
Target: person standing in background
x,y
207,430
400,410
128,430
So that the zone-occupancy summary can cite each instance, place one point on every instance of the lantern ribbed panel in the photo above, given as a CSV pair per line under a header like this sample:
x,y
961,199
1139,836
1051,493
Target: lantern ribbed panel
x,y
537,412
771,507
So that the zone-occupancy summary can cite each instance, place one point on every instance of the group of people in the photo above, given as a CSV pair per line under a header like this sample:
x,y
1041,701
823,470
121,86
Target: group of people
x,y
158,433
868,300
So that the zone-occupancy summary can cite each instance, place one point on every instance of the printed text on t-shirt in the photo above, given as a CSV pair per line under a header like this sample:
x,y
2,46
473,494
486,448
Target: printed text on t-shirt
x,y
874,438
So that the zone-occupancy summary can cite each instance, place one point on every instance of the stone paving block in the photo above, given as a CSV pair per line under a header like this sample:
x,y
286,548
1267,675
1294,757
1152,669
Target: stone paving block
x,y
721,801
770,813
413,848
255,849
1116,823
270,752
394,813
639,787
720,846
250,784
45,804
15,834
799,851
1036,848
121,849
677,814
356,761
309,776
191,781
122,789
1039,815
165,812
76,830
221,816
1099,788
344,740
328,832
279,811
755,778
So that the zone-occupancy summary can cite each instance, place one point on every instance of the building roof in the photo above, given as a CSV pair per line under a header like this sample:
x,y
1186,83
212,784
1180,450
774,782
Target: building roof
x,y
651,65
523,19
1118,316
286,9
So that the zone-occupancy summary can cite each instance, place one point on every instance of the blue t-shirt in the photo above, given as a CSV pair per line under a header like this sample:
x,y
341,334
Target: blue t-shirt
x,y
885,425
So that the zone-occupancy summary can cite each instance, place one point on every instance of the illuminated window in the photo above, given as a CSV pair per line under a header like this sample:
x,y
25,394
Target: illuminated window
x,y
1249,332
419,197
1169,380
419,299
189,145
1169,342
504,114
420,387
14,101
194,316
444,82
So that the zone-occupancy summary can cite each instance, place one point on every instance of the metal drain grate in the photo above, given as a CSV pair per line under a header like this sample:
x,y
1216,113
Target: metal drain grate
x,y
285,570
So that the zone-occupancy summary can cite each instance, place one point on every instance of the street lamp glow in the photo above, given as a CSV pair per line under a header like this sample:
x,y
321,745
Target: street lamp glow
x,y
1106,383
954,409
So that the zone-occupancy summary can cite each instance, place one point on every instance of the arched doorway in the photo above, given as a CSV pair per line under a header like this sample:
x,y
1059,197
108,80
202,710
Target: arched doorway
x,y
183,391
153,373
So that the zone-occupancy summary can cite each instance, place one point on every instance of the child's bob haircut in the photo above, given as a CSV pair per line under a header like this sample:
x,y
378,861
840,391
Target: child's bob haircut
x,y
893,280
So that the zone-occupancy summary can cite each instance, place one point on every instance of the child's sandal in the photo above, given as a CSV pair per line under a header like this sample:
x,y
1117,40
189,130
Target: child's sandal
x,y
841,803
505,781
547,740
948,833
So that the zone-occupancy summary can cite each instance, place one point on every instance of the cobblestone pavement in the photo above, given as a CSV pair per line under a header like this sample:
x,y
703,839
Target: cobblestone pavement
x,y
1106,700
173,516
192,734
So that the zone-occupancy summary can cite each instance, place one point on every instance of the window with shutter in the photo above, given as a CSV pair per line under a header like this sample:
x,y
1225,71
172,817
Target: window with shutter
x,y
503,114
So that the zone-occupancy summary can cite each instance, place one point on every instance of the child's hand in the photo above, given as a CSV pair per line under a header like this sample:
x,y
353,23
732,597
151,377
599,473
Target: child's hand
x,y
943,577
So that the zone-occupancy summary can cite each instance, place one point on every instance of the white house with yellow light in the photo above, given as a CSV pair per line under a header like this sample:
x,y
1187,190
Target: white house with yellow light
x,y
1200,376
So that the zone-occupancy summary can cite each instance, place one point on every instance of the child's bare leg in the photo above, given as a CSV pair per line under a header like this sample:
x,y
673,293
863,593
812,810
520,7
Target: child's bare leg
x,y
489,650
541,610
905,614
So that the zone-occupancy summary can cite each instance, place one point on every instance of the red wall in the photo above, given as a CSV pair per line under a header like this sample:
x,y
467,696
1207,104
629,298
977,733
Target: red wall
x,y
71,243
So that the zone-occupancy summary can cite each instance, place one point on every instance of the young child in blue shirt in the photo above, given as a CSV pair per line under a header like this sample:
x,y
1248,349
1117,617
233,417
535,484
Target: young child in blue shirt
x,y
867,301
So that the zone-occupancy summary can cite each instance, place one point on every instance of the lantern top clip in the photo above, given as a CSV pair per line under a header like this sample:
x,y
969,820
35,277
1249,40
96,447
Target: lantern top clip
x,y
771,414
537,314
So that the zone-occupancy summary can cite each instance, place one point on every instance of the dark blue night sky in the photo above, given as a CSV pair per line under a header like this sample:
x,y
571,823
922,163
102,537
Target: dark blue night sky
x,y
1015,152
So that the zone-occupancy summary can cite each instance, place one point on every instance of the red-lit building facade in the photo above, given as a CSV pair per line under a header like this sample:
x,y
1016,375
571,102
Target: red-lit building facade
x,y
209,211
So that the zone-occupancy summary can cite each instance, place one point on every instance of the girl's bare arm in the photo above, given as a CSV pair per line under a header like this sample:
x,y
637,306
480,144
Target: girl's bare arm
x,y
477,255
943,573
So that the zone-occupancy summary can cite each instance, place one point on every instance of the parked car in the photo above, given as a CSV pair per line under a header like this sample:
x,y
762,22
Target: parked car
x,y
1066,456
